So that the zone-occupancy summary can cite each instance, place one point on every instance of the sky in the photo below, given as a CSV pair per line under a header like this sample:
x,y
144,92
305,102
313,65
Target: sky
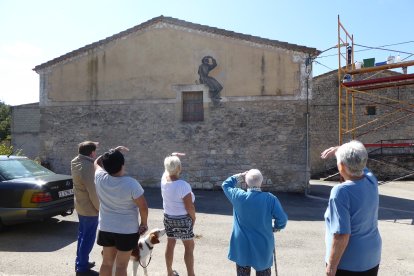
x,y
34,32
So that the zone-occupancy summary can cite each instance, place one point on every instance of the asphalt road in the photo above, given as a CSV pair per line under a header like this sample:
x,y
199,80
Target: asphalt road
x,y
48,248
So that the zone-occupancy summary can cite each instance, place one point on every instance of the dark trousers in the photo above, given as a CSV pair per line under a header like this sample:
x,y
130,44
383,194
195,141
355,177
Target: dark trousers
x,y
370,272
86,240
245,271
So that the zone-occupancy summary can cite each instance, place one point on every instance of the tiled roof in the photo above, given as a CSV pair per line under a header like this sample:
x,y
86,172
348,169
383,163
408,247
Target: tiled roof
x,y
181,23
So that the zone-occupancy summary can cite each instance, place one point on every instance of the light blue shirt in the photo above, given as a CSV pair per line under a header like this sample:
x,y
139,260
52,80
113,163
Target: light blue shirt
x,y
353,209
252,240
118,212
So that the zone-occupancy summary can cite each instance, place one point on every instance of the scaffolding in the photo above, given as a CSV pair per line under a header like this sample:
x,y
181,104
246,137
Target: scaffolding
x,y
352,90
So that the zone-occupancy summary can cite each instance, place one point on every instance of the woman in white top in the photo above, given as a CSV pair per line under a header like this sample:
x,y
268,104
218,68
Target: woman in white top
x,y
179,213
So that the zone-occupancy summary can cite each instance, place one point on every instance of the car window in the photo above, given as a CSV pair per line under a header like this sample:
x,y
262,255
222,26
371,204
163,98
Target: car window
x,y
20,168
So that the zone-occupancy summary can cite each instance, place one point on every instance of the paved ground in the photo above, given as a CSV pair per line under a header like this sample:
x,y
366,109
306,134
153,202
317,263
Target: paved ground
x,y
48,248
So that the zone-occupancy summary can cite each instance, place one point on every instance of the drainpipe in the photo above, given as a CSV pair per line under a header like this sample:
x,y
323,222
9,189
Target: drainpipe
x,y
308,71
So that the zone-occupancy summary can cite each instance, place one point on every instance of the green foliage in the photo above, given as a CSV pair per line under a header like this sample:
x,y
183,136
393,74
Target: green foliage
x,y
5,149
5,121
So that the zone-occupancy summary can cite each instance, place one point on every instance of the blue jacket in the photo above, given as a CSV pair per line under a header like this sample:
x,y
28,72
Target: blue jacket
x,y
252,241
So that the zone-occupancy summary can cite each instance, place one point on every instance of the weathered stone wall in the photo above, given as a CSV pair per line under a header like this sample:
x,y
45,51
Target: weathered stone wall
x,y
392,167
25,129
268,135
385,167
323,120
127,90
324,117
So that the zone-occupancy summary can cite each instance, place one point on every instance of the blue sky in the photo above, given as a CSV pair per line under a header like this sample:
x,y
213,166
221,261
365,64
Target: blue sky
x,y
33,32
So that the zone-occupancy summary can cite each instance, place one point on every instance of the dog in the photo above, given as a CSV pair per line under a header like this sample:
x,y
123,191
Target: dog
x,y
143,250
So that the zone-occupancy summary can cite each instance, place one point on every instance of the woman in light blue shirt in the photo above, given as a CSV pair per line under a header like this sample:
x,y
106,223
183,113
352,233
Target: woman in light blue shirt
x,y
252,241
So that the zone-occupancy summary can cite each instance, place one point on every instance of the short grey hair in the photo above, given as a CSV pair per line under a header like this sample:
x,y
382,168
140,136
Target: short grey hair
x,y
254,178
354,156
172,165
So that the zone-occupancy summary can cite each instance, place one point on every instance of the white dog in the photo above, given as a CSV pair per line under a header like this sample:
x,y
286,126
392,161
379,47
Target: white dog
x,y
141,253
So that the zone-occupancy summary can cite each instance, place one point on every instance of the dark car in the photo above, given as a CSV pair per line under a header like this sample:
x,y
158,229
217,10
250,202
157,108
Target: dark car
x,y
29,191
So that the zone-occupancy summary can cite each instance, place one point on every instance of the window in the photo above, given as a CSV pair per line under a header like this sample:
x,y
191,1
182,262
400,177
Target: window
x,y
14,168
193,110
371,110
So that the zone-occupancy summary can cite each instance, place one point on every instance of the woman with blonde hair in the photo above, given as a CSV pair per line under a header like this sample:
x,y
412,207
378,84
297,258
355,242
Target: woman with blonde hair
x,y
179,213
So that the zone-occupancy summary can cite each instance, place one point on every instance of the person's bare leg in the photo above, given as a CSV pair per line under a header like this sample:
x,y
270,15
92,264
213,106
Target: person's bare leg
x,y
169,255
122,259
189,256
109,255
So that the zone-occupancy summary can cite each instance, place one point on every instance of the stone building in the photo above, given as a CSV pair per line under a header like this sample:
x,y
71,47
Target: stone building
x,y
25,127
380,105
152,88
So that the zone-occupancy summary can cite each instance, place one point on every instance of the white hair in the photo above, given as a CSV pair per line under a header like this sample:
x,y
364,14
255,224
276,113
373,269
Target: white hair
x,y
172,165
354,156
254,178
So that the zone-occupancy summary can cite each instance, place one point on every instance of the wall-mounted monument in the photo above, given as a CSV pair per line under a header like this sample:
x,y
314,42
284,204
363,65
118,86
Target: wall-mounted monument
x,y
208,63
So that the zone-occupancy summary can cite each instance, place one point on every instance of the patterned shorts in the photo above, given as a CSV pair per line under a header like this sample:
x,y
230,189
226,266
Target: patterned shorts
x,y
179,227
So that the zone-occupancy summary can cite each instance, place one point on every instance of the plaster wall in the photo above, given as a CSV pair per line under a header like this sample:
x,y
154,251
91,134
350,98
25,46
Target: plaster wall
x,y
147,63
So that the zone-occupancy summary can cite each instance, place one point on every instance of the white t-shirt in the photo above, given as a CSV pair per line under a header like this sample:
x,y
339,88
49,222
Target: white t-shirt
x,y
173,194
118,212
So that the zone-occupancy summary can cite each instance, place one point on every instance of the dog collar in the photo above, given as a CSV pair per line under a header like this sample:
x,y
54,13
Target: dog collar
x,y
149,246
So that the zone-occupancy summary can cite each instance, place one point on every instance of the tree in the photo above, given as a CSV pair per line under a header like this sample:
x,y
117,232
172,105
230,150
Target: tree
x,y
5,121
5,149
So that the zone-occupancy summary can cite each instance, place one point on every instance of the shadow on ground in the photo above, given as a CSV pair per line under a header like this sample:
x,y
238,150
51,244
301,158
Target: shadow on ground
x,y
41,236
54,234
298,206
391,208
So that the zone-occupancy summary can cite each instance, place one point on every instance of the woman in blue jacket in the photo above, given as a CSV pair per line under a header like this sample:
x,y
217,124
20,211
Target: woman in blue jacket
x,y
252,240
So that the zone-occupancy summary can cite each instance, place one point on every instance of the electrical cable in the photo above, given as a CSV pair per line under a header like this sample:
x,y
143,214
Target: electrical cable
x,y
400,43
363,50
408,57
323,65
376,48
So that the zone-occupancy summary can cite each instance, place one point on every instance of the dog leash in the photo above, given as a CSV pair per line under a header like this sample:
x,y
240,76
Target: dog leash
x,y
147,263
139,260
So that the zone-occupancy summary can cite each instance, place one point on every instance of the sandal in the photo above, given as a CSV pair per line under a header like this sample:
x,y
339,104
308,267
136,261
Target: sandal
x,y
175,273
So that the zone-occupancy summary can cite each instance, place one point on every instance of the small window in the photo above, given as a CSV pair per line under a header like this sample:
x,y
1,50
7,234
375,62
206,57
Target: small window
x,y
193,106
371,110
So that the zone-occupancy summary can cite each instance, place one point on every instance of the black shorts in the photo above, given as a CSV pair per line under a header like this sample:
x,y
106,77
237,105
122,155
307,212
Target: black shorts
x,y
370,272
122,242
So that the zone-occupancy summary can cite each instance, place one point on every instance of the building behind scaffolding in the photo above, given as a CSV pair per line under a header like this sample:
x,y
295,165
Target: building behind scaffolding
x,y
371,102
